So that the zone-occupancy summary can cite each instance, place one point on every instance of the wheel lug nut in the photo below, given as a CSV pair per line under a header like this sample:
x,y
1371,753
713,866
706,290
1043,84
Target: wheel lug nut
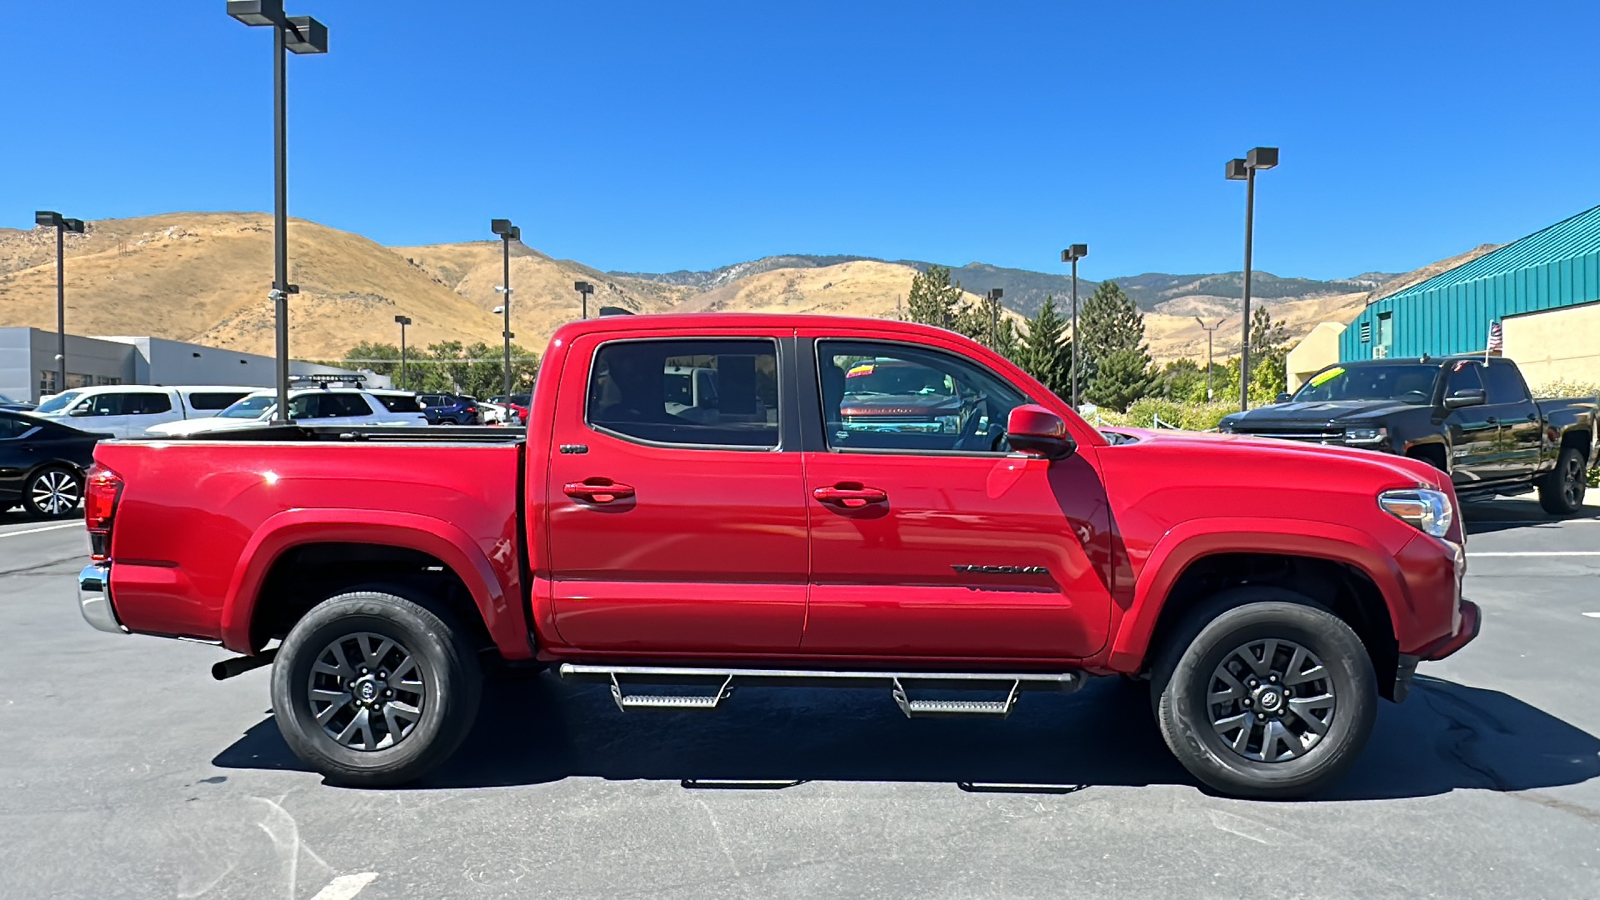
x,y
363,671
388,693
1272,678
1247,701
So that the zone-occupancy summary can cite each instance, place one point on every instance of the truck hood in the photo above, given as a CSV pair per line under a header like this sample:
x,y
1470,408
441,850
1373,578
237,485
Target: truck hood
x,y
1326,412
1296,454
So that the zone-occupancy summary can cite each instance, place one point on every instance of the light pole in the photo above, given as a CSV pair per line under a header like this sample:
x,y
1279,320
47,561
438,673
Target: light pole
x,y
508,233
1245,170
291,34
404,321
62,226
584,289
994,296
1072,254
1208,329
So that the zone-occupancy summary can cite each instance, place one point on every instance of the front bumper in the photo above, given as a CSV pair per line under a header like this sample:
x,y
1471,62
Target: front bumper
x,y
94,599
1471,623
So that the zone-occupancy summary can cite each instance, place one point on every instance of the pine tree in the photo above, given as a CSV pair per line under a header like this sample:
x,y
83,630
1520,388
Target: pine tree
x,y
1045,353
1269,357
1113,330
934,299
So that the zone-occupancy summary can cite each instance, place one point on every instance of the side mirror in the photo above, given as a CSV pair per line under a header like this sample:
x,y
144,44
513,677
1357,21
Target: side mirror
x,y
1464,397
80,411
1281,398
1037,431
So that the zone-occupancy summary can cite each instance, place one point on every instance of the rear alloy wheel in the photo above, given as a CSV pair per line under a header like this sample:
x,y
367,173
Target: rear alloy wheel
x,y
53,494
1561,490
1269,696
372,689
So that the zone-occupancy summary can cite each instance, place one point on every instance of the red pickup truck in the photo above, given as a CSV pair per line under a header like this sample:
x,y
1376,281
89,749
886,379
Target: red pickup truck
x,y
758,536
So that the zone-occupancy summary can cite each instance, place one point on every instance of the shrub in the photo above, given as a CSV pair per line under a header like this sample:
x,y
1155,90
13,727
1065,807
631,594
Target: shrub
x,y
1563,387
1188,416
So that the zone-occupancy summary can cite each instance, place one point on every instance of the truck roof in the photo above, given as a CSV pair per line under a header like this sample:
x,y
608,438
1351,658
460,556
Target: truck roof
x,y
690,322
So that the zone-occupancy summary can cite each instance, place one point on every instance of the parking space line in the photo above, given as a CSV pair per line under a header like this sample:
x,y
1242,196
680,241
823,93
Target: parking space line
x,y
345,886
1534,553
6,534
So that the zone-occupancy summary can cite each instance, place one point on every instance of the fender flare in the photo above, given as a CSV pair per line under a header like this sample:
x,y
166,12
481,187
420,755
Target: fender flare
x,y
1193,540
436,537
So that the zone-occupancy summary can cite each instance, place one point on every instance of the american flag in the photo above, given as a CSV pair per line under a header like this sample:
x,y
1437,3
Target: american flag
x,y
1497,338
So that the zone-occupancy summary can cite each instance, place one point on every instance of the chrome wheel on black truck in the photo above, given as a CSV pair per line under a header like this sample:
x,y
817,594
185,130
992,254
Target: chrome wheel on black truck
x,y
1271,697
373,689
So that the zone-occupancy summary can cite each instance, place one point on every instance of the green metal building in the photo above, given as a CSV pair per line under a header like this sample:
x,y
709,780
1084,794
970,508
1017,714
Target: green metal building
x,y
1552,269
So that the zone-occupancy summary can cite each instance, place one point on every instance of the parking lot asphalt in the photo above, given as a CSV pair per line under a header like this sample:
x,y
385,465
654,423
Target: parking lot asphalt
x,y
128,772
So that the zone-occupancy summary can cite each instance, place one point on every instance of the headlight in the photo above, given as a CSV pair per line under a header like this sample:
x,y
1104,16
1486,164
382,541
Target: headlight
x,y
1428,510
948,424
1366,435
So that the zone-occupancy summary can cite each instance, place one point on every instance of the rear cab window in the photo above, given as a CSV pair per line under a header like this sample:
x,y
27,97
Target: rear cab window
x,y
399,403
210,400
705,392
1505,384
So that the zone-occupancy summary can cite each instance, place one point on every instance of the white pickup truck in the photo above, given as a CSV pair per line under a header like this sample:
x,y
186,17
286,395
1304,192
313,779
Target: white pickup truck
x,y
127,410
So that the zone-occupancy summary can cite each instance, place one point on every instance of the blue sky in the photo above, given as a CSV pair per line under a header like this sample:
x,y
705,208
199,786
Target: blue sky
x,y
654,136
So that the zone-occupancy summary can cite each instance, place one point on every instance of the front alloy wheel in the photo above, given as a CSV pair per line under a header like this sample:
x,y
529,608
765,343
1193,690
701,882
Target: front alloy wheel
x,y
1561,492
1271,700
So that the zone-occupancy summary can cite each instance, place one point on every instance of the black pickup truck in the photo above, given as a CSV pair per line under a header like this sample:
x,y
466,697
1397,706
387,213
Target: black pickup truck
x,y
1472,418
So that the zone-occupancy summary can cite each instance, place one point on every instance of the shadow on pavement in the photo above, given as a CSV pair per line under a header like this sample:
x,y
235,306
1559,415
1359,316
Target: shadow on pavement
x,y
1487,516
1447,736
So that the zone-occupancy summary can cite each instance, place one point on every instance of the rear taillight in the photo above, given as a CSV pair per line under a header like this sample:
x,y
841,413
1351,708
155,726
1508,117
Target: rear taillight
x,y
102,489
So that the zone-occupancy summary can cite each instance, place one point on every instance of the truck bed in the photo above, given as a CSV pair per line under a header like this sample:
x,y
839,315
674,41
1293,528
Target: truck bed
x,y
200,522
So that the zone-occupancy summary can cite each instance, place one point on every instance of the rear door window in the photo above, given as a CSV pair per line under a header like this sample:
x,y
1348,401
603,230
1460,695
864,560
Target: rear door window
x,y
1505,383
706,393
147,404
209,400
343,406
400,404
12,427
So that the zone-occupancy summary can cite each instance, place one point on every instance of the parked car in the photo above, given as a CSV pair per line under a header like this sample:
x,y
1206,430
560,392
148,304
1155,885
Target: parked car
x,y
15,405
128,410
517,403
899,395
620,542
324,406
1459,414
449,409
42,464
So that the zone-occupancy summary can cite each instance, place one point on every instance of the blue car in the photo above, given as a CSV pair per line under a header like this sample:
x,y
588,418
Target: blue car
x,y
449,409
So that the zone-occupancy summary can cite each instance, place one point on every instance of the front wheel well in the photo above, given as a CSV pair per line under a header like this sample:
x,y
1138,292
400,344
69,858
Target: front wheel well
x,y
1432,454
1342,589
305,575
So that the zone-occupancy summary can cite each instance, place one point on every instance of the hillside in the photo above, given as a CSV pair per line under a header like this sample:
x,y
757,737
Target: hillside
x,y
204,277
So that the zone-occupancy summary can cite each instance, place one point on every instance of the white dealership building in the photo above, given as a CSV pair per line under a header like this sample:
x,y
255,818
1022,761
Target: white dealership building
x,y
28,367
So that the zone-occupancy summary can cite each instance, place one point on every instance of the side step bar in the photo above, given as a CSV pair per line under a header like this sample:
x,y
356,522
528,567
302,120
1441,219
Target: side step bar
x,y
716,685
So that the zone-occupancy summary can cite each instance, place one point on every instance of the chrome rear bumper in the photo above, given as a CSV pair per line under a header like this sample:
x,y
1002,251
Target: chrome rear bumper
x,y
94,599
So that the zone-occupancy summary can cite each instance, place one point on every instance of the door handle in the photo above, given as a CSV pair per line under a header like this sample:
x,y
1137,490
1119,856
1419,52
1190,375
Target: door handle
x,y
598,490
1533,417
1492,420
850,497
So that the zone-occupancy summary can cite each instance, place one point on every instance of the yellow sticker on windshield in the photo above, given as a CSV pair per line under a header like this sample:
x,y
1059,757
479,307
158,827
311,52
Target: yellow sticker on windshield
x,y
1327,376
863,369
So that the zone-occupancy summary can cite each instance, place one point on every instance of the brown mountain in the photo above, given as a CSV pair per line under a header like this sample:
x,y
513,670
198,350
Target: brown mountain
x,y
204,277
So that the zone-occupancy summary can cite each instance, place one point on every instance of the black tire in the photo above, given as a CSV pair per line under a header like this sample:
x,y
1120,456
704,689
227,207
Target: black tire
x,y
1237,619
54,492
452,683
1561,490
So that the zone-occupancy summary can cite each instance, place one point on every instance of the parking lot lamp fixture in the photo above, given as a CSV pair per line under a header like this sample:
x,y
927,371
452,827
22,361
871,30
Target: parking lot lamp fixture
x,y
62,225
993,297
290,34
584,289
1072,254
1209,330
404,321
508,233
1245,170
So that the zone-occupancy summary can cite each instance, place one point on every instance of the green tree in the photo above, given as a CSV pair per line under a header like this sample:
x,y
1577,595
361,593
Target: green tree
x,y
383,359
1045,353
1112,328
935,299
1269,355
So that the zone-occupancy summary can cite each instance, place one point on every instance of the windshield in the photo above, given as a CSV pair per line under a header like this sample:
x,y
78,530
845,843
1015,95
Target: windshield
x,y
1400,383
248,408
895,378
59,402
